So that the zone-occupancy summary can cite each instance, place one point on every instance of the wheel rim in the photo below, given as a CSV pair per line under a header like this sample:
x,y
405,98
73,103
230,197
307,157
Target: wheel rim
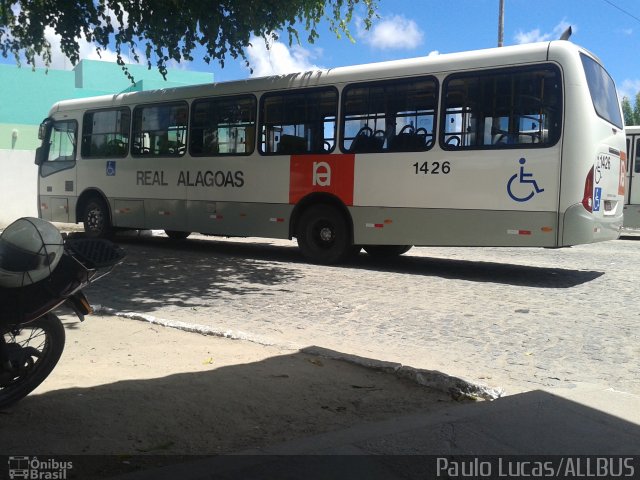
x,y
95,219
29,355
324,235
29,347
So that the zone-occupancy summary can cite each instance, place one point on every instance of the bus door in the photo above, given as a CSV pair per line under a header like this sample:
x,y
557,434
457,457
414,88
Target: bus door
x,y
56,160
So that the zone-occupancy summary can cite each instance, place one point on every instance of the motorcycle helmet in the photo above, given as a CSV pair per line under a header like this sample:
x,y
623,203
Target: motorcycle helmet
x,y
30,249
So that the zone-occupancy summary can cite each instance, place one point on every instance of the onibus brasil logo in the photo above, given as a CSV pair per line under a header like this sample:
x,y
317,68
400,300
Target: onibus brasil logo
x,y
36,469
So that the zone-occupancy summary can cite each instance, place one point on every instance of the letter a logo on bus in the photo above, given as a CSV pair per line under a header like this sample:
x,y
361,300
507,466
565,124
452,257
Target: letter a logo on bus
x,y
331,174
321,174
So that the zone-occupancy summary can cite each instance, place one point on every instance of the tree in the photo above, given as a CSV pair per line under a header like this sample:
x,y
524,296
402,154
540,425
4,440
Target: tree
x,y
627,111
167,29
631,114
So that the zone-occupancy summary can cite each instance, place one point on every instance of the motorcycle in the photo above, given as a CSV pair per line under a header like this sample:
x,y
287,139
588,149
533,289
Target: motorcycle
x,y
41,270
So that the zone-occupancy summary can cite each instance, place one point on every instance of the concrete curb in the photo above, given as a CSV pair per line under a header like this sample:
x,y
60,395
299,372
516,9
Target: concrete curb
x,y
187,327
458,388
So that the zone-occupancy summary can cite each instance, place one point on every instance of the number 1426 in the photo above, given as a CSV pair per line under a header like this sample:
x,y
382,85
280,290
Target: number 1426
x,y
433,168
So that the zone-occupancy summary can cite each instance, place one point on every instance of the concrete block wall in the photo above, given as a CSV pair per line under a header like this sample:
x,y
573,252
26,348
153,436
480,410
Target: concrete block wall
x,y
18,185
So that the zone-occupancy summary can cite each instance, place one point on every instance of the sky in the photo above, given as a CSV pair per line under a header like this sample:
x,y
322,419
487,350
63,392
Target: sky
x,y
413,28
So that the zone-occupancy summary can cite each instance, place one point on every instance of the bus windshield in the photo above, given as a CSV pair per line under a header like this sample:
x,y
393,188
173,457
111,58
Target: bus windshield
x,y
603,91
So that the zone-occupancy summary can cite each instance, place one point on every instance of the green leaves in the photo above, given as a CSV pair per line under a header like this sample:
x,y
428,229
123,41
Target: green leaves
x,y
631,114
167,29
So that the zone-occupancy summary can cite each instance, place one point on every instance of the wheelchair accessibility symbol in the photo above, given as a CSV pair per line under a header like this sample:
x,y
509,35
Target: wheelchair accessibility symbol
x,y
111,168
525,187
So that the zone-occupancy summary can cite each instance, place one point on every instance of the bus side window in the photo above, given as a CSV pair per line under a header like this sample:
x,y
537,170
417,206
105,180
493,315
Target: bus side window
x,y
223,126
502,108
160,130
105,133
395,116
300,122
636,160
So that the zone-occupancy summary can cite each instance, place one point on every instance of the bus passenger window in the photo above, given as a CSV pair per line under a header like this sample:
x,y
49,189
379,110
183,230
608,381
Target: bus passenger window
x,y
160,130
105,133
223,126
502,108
395,116
636,161
300,122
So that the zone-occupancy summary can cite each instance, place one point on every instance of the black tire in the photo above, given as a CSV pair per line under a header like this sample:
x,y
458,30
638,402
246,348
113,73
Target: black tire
x,y
323,235
386,251
177,234
96,219
42,343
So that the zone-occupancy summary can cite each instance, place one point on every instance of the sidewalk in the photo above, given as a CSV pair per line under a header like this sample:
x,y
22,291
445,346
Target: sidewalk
x,y
587,420
130,396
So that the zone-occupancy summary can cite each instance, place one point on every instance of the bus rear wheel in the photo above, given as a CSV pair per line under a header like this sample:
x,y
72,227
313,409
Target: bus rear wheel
x,y
177,234
95,218
323,235
386,251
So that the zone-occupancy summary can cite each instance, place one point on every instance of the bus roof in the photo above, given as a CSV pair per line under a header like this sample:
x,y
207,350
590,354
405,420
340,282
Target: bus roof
x,y
433,64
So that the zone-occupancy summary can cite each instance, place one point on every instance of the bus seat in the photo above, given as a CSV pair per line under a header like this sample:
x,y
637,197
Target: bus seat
x,y
407,142
197,142
291,144
500,139
364,143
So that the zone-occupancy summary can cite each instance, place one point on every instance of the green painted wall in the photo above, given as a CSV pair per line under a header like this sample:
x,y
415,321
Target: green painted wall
x,y
101,76
25,137
26,95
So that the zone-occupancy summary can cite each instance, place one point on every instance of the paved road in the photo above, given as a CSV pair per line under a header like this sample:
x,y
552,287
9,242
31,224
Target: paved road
x,y
515,318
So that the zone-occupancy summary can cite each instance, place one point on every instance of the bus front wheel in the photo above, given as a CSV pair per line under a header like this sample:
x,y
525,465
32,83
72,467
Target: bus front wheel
x,y
95,218
323,235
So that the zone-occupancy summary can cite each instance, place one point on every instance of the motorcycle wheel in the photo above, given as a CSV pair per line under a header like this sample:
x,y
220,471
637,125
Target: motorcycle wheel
x,y
33,351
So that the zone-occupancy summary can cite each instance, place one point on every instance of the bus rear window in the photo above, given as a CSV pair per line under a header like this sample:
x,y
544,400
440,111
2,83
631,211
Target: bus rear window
x,y
603,91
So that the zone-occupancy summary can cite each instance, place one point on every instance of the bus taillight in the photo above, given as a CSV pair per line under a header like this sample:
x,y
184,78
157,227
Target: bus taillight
x,y
587,200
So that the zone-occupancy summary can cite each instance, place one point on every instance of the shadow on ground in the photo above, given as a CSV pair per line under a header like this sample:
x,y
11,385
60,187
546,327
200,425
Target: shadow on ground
x,y
210,412
534,434
177,426
165,272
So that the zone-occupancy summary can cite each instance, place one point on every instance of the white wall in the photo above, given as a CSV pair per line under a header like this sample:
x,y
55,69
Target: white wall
x,y
18,185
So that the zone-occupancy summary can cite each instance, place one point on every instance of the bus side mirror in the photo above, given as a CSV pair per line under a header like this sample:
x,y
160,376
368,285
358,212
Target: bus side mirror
x,y
39,156
44,127
42,131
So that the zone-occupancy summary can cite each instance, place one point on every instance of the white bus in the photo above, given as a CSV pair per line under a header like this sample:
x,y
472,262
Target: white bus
x,y
513,146
632,196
